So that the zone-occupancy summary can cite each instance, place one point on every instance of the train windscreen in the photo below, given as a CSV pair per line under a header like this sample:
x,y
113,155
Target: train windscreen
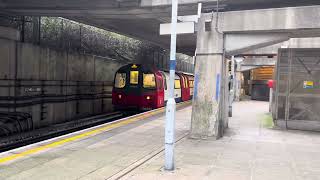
x,y
134,77
177,84
120,80
149,81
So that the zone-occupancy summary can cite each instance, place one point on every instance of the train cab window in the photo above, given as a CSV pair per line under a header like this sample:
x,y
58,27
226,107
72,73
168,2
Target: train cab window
x,y
120,80
134,77
177,84
182,84
191,84
185,82
149,81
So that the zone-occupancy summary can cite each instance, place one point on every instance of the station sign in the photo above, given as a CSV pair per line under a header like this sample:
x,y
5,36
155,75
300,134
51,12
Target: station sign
x,y
308,84
182,28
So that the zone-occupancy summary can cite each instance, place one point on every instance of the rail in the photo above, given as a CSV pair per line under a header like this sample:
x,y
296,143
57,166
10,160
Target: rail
x,y
25,138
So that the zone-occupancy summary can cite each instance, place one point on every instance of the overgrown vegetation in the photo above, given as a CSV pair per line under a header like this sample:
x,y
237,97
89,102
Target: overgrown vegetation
x,y
267,121
66,35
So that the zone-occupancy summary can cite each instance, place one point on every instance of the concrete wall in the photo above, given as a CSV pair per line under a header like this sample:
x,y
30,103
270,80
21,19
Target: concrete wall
x,y
26,66
161,60
7,51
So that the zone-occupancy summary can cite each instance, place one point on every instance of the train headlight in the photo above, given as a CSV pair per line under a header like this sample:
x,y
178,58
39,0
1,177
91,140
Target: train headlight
x,y
148,97
119,96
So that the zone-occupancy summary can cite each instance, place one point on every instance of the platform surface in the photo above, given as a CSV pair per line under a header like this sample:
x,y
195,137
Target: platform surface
x,y
134,150
97,156
249,151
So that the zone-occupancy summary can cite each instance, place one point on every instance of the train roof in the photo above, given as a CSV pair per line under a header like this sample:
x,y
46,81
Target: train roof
x,y
179,72
142,67
148,68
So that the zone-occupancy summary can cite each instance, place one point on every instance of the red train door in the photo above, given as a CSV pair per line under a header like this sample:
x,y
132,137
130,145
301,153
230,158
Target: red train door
x,y
188,97
185,94
160,90
186,90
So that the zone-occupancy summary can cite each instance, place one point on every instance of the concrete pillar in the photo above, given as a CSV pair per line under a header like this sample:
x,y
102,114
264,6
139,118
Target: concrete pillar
x,y
206,105
238,78
238,86
233,75
36,30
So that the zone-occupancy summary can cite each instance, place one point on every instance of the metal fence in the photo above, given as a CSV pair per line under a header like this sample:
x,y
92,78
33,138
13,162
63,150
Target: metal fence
x,y
297,92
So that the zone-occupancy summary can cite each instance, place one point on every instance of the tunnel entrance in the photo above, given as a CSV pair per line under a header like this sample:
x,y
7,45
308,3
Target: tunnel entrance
x,y
254,83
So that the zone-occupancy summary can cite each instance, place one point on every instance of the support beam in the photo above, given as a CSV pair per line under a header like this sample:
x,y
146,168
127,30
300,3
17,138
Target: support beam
x,y
253,63
247,68
292,43
259,61
238,43
291,19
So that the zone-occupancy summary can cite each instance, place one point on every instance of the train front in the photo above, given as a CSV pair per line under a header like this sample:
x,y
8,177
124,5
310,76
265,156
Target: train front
x,y
135,88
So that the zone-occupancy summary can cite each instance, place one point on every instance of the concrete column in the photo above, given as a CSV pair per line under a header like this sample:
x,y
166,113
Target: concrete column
x,y
238,86
208,73
36,36
233,74
238,77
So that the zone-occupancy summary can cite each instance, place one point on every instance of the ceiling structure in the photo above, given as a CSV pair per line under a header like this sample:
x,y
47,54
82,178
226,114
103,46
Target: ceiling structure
x,y
136,18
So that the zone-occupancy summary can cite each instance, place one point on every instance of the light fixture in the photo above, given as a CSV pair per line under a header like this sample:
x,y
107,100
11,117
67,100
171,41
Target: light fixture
x,y
238,59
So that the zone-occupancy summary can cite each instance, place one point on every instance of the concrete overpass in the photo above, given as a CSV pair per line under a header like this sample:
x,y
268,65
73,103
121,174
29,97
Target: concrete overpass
x,y
141,18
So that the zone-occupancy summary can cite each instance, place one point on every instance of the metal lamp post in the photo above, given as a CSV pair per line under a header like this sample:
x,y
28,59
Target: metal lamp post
x,y
171,104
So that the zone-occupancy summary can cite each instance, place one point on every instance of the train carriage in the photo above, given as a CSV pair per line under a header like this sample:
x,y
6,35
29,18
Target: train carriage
x,y
185,90
177,87
191,84
142,87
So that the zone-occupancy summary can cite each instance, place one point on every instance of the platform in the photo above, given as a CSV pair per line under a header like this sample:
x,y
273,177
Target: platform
x,y
133,149
97,153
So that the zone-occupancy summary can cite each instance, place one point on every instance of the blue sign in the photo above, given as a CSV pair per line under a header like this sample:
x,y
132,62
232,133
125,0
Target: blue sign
x,y
195,90
217,87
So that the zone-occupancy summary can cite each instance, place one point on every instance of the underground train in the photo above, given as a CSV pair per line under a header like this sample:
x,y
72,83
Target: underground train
x,y
143,87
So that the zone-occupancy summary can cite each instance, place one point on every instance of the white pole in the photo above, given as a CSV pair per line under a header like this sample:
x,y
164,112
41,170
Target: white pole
x,y
171,104
233,74
270,99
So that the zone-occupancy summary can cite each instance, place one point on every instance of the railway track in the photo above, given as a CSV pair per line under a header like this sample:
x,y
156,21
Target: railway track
x,y
31,137
26,138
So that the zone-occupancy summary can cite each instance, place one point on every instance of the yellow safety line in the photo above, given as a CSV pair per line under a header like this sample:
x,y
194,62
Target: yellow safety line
x,y
80,136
